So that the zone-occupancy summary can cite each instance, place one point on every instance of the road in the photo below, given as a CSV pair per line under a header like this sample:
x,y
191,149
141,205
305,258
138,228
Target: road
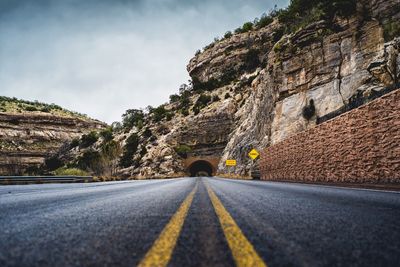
x,y
197,222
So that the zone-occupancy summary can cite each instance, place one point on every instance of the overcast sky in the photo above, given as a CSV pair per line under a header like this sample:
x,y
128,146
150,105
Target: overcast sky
x,y
103,57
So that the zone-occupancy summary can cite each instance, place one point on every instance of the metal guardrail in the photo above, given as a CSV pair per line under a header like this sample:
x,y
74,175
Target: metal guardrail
x,y
44,179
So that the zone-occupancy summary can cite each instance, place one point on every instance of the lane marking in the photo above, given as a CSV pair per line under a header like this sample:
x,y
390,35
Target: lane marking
x,y
161,251
308,184
243,251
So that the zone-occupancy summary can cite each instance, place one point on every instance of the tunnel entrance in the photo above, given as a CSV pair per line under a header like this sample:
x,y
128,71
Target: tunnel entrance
x,y
200,168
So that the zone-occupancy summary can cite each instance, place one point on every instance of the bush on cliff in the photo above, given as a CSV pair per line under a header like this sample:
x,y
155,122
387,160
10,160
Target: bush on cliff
x,y
300,13
228,34
203,101
129,150
88,139
107,134
174,98
183,150
264,21
53,163
391,30
247,26
91,161
158,113
74,143
132,118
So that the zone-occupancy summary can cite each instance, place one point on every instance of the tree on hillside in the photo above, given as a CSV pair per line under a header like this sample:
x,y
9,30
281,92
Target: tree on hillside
x,y
132,117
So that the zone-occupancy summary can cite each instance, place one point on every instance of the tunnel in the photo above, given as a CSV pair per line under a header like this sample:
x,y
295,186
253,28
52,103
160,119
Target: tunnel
x,y
200,168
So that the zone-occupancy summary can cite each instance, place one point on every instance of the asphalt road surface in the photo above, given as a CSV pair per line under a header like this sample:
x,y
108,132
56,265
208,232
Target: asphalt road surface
x,y
197,222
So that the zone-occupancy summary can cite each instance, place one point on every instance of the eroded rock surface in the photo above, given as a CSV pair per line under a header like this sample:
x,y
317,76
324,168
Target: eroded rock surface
x,y
26,139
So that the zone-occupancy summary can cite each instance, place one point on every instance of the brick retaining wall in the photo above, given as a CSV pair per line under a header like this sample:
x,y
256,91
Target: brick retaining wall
x,y
360,146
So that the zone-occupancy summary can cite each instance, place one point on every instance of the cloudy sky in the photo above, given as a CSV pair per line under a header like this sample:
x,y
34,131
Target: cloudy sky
x,y
101,57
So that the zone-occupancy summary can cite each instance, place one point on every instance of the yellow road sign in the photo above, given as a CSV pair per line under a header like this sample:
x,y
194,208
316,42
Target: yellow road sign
x,y
253,154
230,162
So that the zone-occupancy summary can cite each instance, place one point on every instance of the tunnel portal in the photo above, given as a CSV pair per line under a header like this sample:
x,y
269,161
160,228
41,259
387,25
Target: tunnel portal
x,y
201,168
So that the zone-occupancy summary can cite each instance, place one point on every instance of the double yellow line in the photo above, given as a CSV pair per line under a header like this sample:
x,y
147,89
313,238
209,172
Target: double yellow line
x,y
243,251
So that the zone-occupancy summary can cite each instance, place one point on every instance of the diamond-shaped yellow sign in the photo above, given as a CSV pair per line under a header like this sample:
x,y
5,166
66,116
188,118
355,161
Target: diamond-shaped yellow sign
x,y
253,154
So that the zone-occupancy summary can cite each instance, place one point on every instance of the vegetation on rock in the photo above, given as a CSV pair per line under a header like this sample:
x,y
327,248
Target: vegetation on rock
x,y
183,150
88,139
391,30
8,104
129,150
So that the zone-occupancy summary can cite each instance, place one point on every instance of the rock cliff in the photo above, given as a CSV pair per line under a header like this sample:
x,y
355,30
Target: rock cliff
x,y
28,137
334,69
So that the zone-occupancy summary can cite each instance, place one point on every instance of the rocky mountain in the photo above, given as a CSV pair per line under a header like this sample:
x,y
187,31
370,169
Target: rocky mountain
x,y
31,131
284,73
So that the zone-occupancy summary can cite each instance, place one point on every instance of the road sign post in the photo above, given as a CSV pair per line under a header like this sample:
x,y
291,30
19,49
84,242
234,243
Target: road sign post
x,y
253,154
230,163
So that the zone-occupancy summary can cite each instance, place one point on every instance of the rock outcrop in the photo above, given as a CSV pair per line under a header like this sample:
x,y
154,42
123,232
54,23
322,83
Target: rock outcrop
x,y
26,139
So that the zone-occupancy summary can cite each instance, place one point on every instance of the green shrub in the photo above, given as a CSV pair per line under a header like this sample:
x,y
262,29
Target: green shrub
x,y
169,116
70,172
264,21
132,117
228,34
74,143
201,102
129,150
110,150
185,112
248,26
45,109
196,110
88,139
278,34
159,113
30,108
174,98
303,12
53,163
147,133
391,30
107,134
143,151
184,102
215,98
90,160
183,150
116,126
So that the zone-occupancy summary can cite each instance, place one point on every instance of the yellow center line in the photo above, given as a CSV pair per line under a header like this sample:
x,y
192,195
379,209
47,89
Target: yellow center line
x,y
243,251
161,251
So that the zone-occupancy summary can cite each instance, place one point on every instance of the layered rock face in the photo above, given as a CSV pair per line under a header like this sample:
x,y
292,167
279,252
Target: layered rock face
x,y
334,69
26,139
206,134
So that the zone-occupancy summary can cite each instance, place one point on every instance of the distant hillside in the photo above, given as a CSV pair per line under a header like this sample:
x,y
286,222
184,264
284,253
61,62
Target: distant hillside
x,y
31,131
15,105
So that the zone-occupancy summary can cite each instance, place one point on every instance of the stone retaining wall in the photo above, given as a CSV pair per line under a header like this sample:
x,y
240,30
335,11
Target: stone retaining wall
x,y
360,146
